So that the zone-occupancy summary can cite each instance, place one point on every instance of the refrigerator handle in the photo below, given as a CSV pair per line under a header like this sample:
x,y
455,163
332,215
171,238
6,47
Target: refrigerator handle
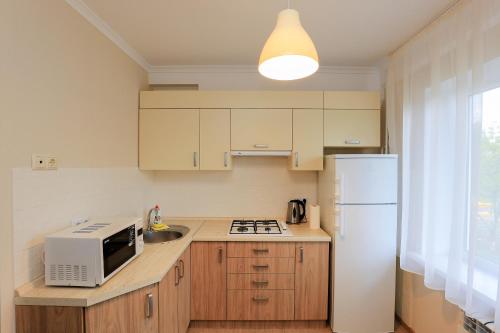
x,y
339,212
339,190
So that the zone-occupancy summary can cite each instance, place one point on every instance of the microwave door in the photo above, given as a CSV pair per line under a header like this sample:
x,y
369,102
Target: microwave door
x,y
117,250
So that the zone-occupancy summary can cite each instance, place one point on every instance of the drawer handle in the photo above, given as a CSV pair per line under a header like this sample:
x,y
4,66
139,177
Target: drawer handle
x,y
149,305
259,145
177,276
260,299
261,250
260,283
260,266
352,142
225,159
296,159
195,159
181,263
301,254
220,254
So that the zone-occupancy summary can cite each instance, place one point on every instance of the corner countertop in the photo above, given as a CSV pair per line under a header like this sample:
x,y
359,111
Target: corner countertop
x,y
152,265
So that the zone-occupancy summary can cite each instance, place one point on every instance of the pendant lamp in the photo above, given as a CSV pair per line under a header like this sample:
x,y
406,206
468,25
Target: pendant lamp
x,y
289,53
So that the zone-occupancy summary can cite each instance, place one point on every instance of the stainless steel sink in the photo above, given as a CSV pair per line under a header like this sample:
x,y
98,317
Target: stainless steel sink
x,y
173,233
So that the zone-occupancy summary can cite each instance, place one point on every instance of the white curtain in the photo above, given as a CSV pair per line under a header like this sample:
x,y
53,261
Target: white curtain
x,y
435,89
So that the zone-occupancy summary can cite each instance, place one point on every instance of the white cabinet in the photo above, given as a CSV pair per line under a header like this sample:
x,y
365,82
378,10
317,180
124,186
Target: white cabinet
x,y
261,129
307,153
169,139
215,139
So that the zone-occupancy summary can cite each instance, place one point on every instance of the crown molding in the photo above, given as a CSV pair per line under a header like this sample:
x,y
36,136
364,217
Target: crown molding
x,y
229,69
105,29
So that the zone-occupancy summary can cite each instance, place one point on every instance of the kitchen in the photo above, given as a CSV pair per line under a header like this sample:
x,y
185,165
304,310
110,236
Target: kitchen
x,y
117,122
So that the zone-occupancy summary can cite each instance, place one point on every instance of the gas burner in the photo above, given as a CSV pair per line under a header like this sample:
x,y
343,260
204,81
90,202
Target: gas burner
x,y
254,227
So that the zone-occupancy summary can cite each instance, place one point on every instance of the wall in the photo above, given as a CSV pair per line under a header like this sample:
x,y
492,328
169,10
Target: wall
x,y
257,186
423,309
66,90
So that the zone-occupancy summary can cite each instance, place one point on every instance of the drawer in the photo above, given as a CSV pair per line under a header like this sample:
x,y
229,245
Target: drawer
x,y
261,281
260,304
260,249
261,265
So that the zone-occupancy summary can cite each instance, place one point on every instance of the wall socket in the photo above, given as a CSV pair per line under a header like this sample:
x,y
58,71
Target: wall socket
x,y
43,162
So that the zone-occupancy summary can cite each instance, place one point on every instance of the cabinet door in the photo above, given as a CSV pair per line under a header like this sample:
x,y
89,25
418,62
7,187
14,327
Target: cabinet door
x,y
215,139
168,299
311,281
208,281
307,153
135,312
352,128
261,129
352,100
184,291
169,139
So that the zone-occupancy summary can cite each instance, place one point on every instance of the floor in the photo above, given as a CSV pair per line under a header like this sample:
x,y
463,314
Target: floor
x,y
399,329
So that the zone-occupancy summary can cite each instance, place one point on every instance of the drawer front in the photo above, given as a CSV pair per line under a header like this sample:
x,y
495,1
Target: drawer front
x,y
261,265
261,281
260,305
260,250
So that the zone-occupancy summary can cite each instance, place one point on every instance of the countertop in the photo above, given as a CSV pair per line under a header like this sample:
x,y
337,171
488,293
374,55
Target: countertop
x,y
152,265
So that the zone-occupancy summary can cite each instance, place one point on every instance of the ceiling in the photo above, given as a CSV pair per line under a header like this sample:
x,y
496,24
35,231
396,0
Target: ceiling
x,y
232,32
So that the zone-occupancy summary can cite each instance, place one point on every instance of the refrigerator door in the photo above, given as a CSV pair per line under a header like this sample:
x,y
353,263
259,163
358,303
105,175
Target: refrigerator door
x,y
366,180
365,269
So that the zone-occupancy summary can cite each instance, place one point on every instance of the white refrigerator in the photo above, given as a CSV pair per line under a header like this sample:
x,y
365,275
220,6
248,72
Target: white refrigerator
x,y
358,200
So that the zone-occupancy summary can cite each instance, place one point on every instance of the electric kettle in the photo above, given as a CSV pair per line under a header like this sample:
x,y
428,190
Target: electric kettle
x,y
296,211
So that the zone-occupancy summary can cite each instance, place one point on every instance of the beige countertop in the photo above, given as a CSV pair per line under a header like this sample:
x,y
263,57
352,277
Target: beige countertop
x,y
152,265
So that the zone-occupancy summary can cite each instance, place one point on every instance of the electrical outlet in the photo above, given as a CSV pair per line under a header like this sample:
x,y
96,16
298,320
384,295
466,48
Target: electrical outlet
x,y
51,162
38,162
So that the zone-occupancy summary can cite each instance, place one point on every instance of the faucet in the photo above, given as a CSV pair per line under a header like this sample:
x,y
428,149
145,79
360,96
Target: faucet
x,y
155,210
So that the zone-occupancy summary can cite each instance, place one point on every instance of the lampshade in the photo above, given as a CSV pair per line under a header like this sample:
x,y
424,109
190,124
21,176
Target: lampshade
x,y
289,53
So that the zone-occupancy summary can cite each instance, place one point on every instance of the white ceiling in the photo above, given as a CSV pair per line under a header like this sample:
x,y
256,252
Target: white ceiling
x,y
232,32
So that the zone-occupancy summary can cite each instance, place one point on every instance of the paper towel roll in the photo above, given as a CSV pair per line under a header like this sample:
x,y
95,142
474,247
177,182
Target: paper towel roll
x,y
314,216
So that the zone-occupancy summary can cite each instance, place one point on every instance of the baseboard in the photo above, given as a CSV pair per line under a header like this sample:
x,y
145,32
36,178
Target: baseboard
x,y
405,326
258,324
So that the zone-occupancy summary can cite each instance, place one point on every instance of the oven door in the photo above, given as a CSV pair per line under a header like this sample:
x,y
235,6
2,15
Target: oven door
x,y
118,249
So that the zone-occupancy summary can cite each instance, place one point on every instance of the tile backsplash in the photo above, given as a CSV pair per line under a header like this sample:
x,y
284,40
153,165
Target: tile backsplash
x,y
47,201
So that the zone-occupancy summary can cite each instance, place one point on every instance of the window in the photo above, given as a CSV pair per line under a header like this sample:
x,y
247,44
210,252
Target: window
x,y
488,206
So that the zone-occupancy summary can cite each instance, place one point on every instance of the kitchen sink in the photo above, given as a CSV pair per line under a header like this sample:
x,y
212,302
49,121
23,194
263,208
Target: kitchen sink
x,y
173,233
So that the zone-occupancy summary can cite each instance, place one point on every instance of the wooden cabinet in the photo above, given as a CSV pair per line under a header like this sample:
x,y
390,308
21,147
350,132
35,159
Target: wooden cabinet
x,y
260,305
135,312
311,281
352,128
260,249
169,139
215,139
261,129
49,319
352,119
208,281
307,152
174,297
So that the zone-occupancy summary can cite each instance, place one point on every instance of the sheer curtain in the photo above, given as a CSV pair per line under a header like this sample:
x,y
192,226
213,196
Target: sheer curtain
x,y
436,89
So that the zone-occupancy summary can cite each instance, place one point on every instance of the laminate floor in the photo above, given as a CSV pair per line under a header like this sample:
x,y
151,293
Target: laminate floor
x,y
399,329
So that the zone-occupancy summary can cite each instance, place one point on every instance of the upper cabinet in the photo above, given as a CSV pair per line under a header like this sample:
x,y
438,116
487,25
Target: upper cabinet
x,y
169,139
307,153
215,139
352,119
261,129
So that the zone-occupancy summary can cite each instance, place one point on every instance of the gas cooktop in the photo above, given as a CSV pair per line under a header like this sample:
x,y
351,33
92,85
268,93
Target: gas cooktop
x,y
256,227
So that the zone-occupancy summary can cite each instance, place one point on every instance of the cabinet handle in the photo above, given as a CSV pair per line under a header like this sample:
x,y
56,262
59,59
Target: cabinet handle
x,y
260,283
296,159
260,299
352,142
259,145
225,159
301,254
181,274
256,251
149,305
260,266
220,254
177,276
195,159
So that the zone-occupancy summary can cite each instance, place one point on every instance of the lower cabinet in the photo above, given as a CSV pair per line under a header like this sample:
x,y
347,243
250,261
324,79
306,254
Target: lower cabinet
x,y
174,297
135,312
260,305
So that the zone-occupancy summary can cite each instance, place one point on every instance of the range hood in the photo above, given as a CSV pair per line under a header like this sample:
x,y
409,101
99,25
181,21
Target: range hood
x,y
261,152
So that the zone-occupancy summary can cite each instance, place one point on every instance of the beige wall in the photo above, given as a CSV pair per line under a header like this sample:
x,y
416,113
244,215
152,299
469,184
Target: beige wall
x,y
423,309
66,90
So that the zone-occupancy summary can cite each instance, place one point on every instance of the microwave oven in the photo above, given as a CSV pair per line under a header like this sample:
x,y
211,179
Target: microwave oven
x,y
89,254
